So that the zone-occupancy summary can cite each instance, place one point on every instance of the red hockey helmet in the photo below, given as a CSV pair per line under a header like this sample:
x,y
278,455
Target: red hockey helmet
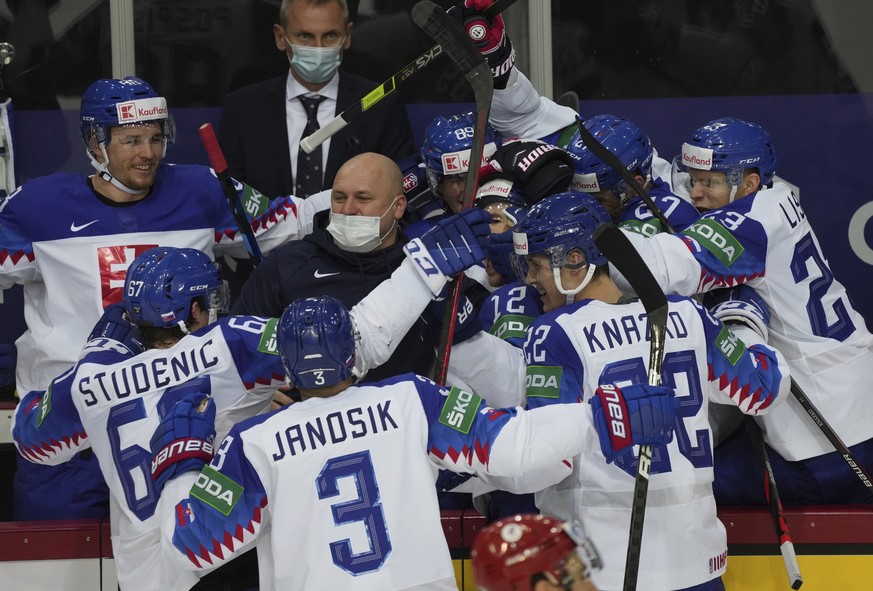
x,y
508,552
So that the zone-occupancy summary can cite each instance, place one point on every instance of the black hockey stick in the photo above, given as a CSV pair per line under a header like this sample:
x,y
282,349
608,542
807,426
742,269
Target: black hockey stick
x,y
308,144
786,545
624,257
831,435
611,160
219,165
434,21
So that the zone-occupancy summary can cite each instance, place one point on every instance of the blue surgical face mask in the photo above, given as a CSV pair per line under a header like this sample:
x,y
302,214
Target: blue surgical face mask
x,y
315,64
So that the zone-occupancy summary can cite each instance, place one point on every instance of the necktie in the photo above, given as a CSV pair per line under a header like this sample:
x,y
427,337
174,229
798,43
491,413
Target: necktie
x,y
309,173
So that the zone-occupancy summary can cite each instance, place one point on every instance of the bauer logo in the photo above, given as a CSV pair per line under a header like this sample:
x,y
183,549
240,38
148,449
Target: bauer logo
x,y
216,490
695,157
459,410
543,381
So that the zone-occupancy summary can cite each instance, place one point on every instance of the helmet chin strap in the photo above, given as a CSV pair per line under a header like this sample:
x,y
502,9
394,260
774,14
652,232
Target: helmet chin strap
x,y
103,169
571,293
733,193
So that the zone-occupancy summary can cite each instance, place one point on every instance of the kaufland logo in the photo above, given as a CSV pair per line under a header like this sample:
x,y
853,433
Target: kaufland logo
x,y
586,183
459,162
497,187
410,182
519,242
695,157
142,110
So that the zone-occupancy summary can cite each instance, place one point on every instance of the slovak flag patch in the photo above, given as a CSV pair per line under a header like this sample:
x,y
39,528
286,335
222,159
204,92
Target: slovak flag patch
x,y
168,317
184,513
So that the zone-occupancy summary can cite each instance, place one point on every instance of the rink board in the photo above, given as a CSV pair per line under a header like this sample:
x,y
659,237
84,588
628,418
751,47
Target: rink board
x,y
834,547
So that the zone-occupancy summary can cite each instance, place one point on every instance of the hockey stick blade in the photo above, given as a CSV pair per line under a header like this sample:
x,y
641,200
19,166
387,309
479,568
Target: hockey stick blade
x,y
219,165
309,143
624,257
455,43
786,545
611,160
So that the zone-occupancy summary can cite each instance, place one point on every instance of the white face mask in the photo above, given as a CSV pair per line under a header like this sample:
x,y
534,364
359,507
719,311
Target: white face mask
x,y
358,233
315,64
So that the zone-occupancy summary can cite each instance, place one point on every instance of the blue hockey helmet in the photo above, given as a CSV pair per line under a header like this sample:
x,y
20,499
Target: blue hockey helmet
x,y
622,137
446,148
731,146
162,282
110,103
500,188
317,339
560,224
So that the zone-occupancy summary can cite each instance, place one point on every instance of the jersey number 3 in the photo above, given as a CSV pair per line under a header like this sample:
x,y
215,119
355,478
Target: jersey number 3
x,y
366,508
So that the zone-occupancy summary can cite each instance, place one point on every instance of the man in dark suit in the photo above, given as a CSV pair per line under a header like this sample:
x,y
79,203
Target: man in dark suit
x,y
266,154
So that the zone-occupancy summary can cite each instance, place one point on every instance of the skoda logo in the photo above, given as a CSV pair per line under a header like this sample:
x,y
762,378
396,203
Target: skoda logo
x,y
477,32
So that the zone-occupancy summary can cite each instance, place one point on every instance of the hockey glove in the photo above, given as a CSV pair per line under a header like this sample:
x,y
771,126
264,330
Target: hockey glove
x,y
489,36
638,414
740,304
183,440
115,325
542,169
500,253
452,245
7,363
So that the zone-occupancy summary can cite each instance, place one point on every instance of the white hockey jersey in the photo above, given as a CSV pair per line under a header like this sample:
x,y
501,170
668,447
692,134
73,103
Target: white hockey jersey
x,y
572,350
340,493
766,240
112,402
70,248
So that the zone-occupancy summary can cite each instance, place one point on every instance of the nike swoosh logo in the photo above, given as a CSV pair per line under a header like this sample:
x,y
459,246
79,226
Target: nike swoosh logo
x,y
75,228
319,275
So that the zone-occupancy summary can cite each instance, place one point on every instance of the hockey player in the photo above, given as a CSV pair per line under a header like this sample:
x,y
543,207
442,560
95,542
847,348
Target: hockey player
x,y
533,553
632,147
446,155
589,334
755,232
68,238
346,460
111,399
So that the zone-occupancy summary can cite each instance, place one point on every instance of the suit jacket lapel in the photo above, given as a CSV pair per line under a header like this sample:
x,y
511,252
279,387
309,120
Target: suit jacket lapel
x,y
277,135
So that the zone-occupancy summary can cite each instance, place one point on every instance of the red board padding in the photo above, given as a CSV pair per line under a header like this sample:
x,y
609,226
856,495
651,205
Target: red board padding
x,y
55,540
826,524
89,538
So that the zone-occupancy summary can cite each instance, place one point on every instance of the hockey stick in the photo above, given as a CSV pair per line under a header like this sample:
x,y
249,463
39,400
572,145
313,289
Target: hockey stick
x,y
611,160
831,435
219,165
308,144
624,257
786,546
434,21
